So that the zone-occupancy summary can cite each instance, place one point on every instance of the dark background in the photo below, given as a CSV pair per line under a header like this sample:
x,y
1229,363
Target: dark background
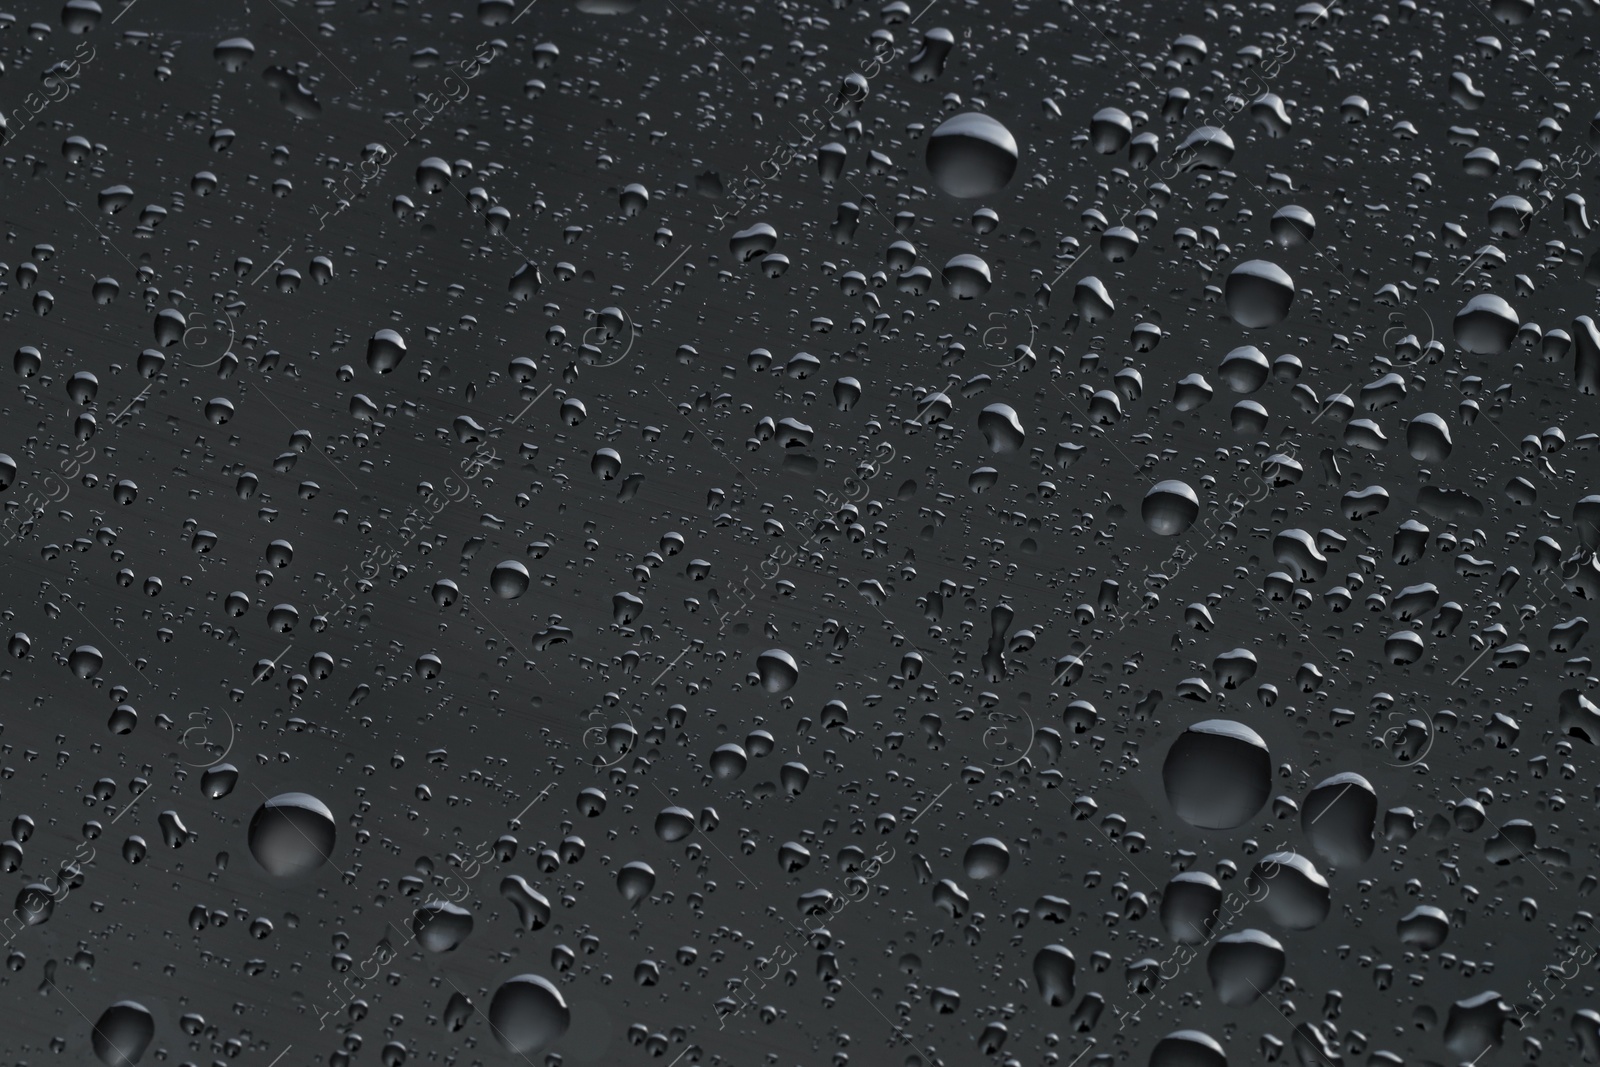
x,y
503,740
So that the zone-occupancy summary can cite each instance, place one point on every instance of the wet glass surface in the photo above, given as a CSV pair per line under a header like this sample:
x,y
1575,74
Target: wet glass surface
x,y
631,531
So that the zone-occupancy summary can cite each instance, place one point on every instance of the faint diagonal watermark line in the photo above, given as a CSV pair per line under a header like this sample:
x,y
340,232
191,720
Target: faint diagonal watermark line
x,y
1329,806
272,666
313,45
79,212
1207,119
1487,648
1288,448
1260,993
277,259
1507,837
117,418
669,266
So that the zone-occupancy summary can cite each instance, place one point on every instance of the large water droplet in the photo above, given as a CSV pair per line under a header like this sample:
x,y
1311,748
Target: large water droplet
x,y
972,155
441,926
967,277
1428,438
987,857
35,903
1218,774
385,350
292,834
635,880
674,823
1339,817
778,670
509,579
533,908
1206,148
234,53
728,762
528,1014
217,782
1002,428
1188,1048
1110,130
1293,226
1170,508
1486,326
1475,1025
1189,907
1291,890
1423,928
1055,969
123,1033
1243,965
85,661
1259,294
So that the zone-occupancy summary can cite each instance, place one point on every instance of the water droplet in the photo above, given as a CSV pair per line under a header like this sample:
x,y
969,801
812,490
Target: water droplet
x,y
972,155
987,857
219,411
80,16
533,909
85,661
124,719
728,762
1293,226
134,849
1339,817
1259,294
635,881
1206,148
509,579
123,1033
1189,907
1054,970
1423,928
441,926
292,834
1428,438
967,277
674,823
1486,326
1218,774
1002,428
777,670
1188,1048
1476,1024
528,1014
234,53
385,350
458,1012
1291,890
792,776
217,782
1170,508
633,200
35,904
1110,130
1244,964
433,174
